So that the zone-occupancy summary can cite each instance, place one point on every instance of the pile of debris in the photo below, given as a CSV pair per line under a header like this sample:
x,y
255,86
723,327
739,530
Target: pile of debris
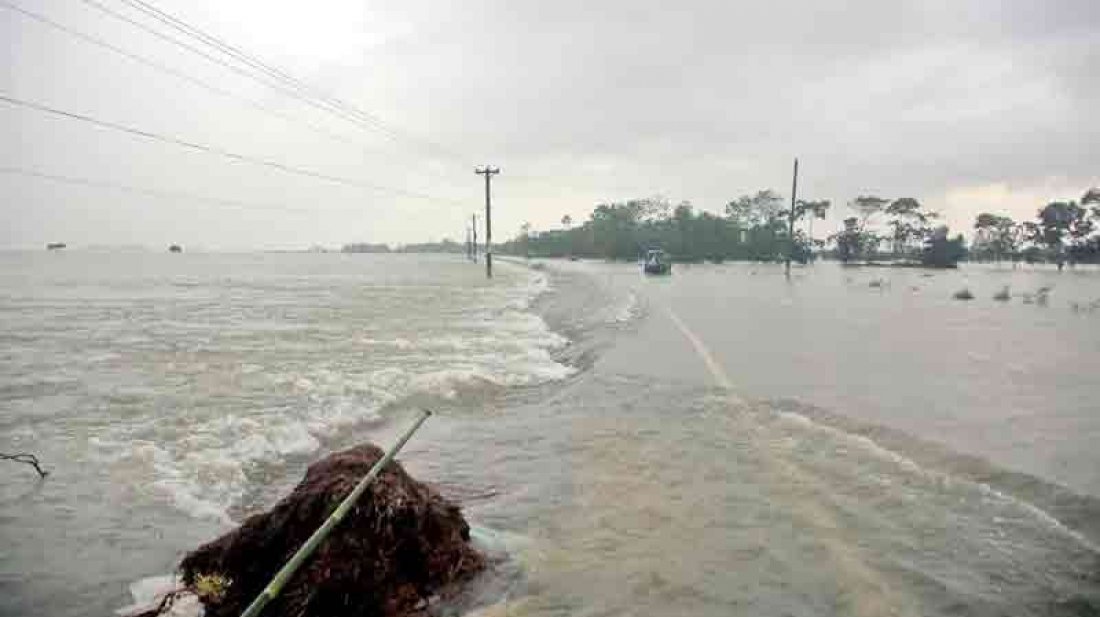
x,y
402,546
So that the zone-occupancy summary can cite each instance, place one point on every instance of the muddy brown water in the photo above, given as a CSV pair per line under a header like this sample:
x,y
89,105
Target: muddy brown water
x,y
722,441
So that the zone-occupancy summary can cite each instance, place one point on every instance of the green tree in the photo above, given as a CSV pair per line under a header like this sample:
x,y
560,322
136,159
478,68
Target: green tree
x,y
1059,222
525,239
855,240
748,211
940,251
868,206
1092,198
996,237
759,226
619,230
799,247
567,223
851,242
908,224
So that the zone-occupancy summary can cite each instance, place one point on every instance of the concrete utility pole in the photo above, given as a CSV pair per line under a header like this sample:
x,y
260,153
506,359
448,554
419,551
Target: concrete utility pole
x,y
790,217
488,172
473,255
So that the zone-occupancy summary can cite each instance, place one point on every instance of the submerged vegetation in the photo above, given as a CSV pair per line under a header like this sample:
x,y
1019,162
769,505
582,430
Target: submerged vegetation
x,y
964,294
1062,232
211,588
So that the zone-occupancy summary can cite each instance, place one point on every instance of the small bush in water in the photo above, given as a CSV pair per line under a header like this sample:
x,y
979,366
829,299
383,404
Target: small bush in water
x,y
1003,295
211,588
964,294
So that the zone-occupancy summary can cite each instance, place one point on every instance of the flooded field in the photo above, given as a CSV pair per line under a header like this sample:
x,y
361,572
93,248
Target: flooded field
x,y
722,441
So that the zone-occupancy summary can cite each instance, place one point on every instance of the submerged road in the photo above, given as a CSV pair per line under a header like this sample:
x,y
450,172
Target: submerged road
x,y
752,445
864,590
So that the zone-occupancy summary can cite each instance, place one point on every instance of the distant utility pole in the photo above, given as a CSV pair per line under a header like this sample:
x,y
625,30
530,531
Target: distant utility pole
x,y
488,172
790,217
811,238
473,255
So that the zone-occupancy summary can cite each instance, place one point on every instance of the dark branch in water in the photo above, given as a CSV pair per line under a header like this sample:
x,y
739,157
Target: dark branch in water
x,y
165,604
29,459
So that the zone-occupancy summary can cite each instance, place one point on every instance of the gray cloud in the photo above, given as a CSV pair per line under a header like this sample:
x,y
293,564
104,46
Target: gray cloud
x,y
988,104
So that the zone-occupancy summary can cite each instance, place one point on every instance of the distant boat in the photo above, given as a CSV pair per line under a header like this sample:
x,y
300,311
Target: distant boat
x,y
175,248
55,246
656,262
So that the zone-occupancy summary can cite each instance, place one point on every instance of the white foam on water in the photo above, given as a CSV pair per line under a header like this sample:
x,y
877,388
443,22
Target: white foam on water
x,y
204,473
486,338
148,592
1039,514
328,418
497,542
536,284
627,310
180,481
868,445
496,342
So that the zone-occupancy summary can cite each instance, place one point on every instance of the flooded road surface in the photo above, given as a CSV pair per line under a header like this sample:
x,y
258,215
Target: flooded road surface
x,y
722,441
750,445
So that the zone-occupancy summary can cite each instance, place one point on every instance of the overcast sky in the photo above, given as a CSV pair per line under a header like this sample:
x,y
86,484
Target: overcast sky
x,y
967,106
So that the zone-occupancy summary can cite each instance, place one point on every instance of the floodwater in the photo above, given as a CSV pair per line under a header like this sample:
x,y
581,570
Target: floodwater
x,y
721,441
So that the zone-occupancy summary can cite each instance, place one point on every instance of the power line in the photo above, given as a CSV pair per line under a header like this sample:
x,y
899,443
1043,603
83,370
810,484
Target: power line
x,y
244,57
281,75
282,81
90,39
161,193
294,88
250,61
177,195
236,69
220,152
160,67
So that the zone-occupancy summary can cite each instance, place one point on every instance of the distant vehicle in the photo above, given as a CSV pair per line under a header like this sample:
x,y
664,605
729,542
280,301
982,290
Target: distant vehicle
x,y
175,248
656,262
55,246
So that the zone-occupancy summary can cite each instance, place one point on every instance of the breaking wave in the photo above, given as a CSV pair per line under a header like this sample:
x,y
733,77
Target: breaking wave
x,y
435,341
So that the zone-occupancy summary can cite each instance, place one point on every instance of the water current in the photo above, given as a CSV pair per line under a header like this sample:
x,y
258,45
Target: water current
x,y
722,441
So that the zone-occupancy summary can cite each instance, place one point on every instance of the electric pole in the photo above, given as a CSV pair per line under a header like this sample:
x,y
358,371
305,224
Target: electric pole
x,y
488,172
473,255
790,217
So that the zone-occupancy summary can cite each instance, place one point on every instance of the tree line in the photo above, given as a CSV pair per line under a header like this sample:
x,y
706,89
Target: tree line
x,y
443,246
1062,232
755,227
762,227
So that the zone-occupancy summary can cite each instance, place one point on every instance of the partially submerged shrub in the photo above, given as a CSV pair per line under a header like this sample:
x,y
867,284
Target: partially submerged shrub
x,y
1040,297
1085,307
964,294
211,588
400,546
1003,295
